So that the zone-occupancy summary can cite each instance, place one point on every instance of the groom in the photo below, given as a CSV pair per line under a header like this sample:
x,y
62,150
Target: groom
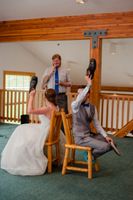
x,y
83,113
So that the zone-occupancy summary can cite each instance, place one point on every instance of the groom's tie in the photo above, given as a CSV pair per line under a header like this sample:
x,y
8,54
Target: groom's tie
x,y
56,81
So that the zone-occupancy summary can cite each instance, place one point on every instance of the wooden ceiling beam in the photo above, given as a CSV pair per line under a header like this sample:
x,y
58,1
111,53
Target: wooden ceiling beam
x,y
68,27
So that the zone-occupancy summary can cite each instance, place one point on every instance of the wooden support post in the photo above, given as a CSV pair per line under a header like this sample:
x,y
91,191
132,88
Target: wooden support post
x,y
96,84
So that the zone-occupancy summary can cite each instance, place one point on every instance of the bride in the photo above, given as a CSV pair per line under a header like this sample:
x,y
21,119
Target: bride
x,y
23,153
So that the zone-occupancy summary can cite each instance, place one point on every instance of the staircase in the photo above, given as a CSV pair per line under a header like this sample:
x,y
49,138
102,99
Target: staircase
x,y
124,130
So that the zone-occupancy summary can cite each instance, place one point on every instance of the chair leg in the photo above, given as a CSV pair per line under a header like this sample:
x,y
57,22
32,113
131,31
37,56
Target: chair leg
x,y
89,165
65,161
97,166
57,153
49,159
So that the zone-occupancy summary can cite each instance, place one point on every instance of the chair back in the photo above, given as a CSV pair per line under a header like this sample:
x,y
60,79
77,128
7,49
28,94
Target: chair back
x,y
67,123
55,126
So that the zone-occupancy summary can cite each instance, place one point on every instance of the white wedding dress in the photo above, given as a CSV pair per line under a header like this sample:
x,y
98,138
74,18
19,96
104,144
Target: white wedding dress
x,y
23,153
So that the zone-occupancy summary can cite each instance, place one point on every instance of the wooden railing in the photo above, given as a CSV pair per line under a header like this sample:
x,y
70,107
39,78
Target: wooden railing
x,y
115,110
13,104
127,128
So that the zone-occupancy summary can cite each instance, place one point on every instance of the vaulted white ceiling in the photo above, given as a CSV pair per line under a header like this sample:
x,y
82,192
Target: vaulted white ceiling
x,y
27,9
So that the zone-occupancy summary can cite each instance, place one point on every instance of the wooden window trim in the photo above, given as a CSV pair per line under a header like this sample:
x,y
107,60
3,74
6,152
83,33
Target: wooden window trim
x,y
16,73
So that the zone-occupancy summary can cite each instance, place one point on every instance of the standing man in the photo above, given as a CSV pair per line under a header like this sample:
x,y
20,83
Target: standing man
x,y
83,113
57,78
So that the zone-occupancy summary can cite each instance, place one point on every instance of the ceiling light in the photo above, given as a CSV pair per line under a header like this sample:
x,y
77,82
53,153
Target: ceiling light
x,y
81,1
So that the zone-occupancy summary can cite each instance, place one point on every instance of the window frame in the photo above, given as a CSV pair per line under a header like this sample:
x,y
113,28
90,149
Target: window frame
x,y
17,73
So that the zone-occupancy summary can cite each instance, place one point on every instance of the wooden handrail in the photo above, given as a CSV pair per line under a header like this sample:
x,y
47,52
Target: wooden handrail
x,y
125,129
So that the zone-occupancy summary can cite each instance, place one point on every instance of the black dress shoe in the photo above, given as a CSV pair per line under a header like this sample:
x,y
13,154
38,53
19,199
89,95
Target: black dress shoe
x,y
33,83
91,69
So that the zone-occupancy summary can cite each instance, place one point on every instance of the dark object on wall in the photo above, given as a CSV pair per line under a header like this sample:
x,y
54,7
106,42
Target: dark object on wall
x,y
33,83
25,119
91,68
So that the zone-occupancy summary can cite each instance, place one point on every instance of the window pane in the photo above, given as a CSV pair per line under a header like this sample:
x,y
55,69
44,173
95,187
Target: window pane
x,y
17,82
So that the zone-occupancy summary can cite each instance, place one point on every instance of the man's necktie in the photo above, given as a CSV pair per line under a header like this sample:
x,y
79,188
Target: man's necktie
x,y
56,81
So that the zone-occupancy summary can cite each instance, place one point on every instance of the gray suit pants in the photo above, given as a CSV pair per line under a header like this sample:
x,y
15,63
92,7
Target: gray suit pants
x,y
97,142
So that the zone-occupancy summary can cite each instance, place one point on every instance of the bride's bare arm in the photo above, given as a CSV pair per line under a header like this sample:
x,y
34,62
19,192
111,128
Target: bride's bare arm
x,y
31,109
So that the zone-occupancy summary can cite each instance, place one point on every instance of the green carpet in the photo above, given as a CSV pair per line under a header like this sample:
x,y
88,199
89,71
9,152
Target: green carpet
x,y
113,182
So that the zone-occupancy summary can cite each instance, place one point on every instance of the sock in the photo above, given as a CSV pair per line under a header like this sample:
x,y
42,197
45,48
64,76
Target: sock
x,y
85,156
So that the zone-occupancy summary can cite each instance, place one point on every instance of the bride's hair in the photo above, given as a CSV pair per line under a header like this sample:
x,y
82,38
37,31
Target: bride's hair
x,y
50,95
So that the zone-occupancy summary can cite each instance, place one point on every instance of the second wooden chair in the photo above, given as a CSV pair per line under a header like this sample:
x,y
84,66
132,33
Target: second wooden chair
x,y
53,139
70,148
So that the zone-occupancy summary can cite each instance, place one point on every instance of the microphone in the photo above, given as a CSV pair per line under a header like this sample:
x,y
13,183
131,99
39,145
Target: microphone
x,y
56,66
91,68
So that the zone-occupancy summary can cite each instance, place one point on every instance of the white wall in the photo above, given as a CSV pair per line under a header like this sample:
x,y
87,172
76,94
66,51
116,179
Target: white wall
x,y
74,54
14,57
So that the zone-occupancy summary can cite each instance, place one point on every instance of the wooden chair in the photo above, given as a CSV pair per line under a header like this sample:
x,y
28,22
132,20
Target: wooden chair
x,y
70,148
53,139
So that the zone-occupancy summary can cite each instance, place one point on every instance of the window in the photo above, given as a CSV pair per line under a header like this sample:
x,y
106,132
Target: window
x,y
15,95
17,80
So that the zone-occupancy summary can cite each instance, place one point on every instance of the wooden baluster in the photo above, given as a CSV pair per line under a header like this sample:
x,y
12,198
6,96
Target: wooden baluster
x,y
112,114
